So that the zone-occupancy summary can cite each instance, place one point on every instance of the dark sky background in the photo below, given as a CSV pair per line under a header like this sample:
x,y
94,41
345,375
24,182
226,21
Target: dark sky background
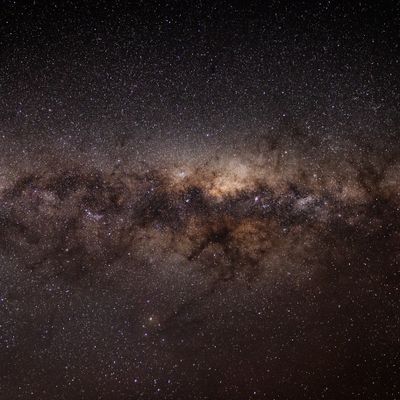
x,y
197,68
199,200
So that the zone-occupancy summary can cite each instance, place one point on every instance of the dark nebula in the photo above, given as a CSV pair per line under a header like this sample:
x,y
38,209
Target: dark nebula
x,y
199,201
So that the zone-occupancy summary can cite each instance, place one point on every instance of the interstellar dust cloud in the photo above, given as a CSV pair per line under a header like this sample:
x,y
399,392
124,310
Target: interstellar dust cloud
x,y
261,216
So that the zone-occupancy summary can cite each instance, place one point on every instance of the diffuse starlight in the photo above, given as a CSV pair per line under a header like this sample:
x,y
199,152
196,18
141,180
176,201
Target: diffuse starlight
x,y
233,218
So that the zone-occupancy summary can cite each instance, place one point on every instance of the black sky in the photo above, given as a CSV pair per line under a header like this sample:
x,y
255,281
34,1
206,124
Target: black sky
x,y
204,68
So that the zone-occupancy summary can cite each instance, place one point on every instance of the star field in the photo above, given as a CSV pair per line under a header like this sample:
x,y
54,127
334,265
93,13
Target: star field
x,y
199,200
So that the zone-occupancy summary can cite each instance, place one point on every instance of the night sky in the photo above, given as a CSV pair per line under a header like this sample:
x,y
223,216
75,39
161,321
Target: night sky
x,y
199,200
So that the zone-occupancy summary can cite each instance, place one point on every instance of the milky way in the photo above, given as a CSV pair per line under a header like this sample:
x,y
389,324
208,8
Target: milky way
x,y
235,217
199,200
